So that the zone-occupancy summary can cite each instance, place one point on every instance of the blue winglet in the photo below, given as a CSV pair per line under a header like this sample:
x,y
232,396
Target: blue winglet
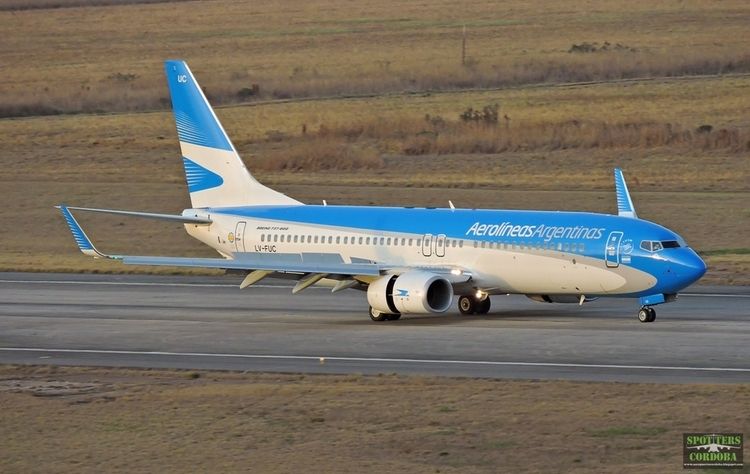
x,y
625,206
82,240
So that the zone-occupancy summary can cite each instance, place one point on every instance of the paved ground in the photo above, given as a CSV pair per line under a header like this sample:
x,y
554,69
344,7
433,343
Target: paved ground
x,y
208,323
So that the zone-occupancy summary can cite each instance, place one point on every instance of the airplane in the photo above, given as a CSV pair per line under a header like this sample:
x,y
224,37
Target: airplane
x,y
713,446
407,260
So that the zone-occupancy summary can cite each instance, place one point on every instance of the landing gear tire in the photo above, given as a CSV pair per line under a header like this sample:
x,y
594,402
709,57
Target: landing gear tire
x,y
483,307
377,316
470,305
647,315
467,305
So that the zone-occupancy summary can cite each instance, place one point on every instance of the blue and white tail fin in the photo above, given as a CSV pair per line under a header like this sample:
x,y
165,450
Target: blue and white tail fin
x,y
625,206
215,173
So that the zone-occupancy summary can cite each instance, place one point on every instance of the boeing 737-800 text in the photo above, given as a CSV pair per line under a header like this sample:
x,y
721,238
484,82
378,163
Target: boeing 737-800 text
x,y
407,260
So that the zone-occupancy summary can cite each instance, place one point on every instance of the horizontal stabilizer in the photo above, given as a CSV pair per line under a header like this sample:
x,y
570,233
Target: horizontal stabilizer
x,y
625,206
147,215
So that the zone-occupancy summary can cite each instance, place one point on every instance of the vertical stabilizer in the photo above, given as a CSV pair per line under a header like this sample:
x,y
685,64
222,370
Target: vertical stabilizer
x,y
215,173
624,203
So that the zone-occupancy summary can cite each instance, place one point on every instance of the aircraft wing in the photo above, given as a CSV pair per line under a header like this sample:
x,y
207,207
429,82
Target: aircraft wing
x,y
311,267
279,265
283,263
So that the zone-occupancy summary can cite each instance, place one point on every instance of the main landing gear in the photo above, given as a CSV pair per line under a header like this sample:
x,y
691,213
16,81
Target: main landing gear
x,y
647,314
470,304
377,316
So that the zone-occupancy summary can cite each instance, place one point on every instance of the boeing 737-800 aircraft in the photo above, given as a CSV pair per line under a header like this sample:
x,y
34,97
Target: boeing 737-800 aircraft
x,y
407,260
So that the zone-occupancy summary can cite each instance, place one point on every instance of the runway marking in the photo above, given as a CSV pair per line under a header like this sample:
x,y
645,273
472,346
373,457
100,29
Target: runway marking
x,y
375,359
226,285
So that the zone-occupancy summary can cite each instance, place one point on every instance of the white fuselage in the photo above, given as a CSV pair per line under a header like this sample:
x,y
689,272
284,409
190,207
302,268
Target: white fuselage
x,y
495,266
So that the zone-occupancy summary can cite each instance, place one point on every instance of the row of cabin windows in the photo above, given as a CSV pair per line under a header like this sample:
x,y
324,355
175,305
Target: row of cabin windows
x,y
347,240
409,242
563,246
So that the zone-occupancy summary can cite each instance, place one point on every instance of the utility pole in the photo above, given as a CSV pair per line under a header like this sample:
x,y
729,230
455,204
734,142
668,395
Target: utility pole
x,y
463,47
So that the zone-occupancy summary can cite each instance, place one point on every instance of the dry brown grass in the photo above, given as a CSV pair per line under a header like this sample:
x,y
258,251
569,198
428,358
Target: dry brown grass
x,y
90,420
302,48
435,135
17,5
319,154
131,161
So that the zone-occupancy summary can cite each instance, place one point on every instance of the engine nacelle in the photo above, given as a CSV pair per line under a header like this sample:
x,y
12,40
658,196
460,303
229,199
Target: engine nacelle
x,y
411,292
559,299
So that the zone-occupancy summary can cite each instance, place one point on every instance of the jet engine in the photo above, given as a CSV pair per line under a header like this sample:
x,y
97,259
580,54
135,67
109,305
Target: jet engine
x,y
411,292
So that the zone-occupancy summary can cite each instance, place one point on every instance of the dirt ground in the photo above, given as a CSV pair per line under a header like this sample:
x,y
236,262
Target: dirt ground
x,y
94,420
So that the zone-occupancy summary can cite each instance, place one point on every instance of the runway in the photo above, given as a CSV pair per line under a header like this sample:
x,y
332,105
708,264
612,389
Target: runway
x,y
208,323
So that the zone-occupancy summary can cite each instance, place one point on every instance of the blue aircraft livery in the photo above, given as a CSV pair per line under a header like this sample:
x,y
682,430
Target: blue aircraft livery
x,y
405,260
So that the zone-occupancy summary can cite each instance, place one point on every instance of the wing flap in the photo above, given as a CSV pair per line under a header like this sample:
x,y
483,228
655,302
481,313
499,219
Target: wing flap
x,y
279,266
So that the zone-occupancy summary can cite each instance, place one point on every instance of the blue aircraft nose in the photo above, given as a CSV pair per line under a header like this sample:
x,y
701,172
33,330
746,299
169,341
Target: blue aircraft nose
x,y
689,267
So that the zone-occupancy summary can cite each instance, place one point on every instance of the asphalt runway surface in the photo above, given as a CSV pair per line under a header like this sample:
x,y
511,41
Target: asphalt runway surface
x,y
208,323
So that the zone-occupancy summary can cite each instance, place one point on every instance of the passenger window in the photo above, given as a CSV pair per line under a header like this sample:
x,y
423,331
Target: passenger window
x,y
566,247
360,241
330,239
411,242
573,247
367,241
295,239
460,243
346,240
388,241
559,246
316,239
262,237
338,239
581,248
475,244
382,241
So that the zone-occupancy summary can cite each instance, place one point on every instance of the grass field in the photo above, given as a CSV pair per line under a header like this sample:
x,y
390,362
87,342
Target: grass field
x,y
131,161
553,146
322,47
89,420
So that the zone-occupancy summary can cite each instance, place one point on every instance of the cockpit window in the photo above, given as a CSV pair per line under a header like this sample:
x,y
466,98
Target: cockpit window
x,y
655,245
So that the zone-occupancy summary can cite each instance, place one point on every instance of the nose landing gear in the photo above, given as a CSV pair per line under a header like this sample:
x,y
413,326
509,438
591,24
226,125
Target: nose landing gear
x,y
646,314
